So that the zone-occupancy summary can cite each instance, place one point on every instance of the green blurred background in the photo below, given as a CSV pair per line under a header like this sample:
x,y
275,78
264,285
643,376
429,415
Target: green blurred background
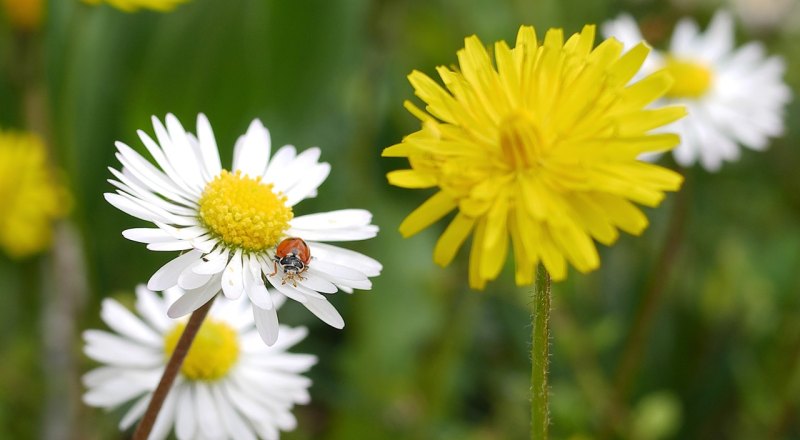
x,y
690,331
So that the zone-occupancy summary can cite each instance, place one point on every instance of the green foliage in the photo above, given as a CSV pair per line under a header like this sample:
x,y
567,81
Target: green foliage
x,y
422,356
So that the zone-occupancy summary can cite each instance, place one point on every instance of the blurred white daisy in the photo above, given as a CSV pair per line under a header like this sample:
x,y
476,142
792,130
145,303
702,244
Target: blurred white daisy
x,y
734,96
231,386
231,223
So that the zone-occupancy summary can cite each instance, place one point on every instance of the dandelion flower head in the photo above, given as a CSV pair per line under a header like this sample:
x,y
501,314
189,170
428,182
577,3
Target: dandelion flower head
x,y
536,151
30,196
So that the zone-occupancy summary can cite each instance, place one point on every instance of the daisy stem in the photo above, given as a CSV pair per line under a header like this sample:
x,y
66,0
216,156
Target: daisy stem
x,y
540,355
171,371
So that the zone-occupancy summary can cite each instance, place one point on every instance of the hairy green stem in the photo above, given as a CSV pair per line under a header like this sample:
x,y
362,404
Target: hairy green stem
x,y
540,355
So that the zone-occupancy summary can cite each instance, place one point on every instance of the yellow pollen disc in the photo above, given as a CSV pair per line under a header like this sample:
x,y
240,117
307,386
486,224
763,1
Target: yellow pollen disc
x,y
244,212
692,79
213,352
520,141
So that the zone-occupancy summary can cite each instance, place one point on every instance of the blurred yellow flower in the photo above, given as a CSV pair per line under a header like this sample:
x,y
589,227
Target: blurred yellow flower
x,y
29,195
541,148
135,5
24,14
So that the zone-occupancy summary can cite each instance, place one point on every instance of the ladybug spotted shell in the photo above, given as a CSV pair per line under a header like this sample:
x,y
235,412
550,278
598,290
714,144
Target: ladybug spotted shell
x,y
294,246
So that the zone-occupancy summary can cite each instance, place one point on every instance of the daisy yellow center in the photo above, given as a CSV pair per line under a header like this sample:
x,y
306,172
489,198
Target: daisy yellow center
x,y
244,212
213,352
692,79
520,141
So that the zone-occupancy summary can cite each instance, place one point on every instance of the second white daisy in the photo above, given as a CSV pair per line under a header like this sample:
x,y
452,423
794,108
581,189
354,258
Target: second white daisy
x,y
232,223
734,96
230,385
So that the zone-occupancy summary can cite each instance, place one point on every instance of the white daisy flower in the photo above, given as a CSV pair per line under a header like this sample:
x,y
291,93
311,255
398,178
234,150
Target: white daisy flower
x,y
734,96
231,386
231,224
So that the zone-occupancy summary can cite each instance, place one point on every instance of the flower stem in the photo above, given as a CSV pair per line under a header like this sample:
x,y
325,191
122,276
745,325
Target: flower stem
x,y
171,371
540,355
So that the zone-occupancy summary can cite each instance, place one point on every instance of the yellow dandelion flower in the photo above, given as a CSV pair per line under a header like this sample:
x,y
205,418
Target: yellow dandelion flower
x,y
30,198
24,15
541,146
135,5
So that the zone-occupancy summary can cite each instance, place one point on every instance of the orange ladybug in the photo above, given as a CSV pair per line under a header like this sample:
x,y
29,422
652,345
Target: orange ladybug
x,y
293,255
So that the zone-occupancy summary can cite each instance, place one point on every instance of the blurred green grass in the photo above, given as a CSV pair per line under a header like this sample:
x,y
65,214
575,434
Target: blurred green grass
x,y
422,356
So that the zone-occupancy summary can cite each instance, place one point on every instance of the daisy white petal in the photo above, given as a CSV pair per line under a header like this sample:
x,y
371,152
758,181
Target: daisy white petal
x,y
254,285
189,279
127,324
287,289
282,158
206,408
224,389
113,350
147,235
734,96
120,389
342,234
194,299
165,419
232,223
208,146
307,187
232,281
345,257
252,153
325,311
167,275
336,270
267,324
151,307
317,283
185,419
294,171
236,427
213,263
134,413
166,246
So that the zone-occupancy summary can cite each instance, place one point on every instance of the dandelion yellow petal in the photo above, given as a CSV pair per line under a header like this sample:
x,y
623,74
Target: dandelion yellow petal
x,y
416,111
524,261
622,213
410,179
526,37
645,120
495,241
508,72
581,44
618,148
577,246
643,92
554,38
552,258
398,150
593,219
475,256
624,69
426,214
452,239
439,101
606,53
